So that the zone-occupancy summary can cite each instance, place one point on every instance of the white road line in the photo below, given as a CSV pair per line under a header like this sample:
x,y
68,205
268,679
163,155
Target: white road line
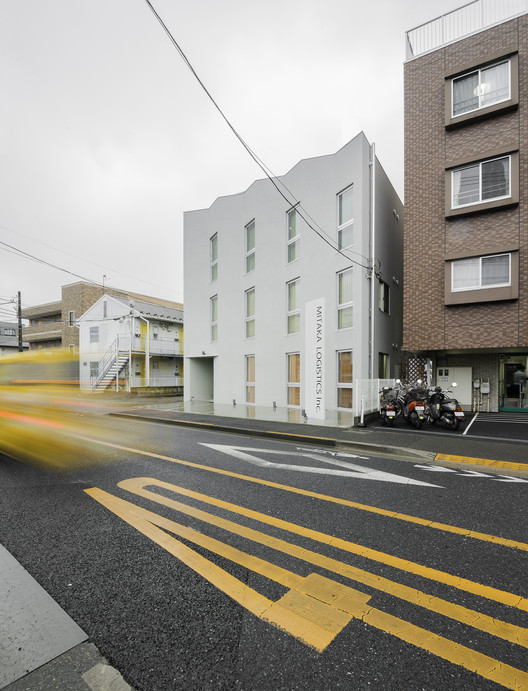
x,y
472,421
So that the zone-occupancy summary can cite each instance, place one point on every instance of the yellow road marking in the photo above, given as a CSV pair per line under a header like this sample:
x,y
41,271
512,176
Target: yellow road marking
x,y
468,460
498,628
324,497
315,609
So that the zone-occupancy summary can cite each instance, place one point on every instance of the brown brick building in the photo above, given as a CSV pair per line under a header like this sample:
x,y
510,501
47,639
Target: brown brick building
x,y
466,202
52,325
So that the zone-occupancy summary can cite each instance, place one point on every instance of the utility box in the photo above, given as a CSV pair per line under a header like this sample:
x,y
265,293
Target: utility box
x,y
463,392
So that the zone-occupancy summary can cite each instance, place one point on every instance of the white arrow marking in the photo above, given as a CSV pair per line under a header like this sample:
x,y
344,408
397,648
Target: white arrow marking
x,y
357,471
473,473
508,478
436,468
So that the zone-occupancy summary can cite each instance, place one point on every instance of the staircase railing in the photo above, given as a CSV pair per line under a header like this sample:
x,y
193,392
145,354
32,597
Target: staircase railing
x,y
109,359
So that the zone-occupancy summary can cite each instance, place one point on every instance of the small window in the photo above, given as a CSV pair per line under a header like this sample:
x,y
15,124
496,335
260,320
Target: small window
x,y
481,182
383,366
9,332
214,257
344,379
293,236
481,88
94,334
70,318
250,313
294,312
214,317
344,299
345,219
383,296
250,247
476,273
94,370
250,379
294,380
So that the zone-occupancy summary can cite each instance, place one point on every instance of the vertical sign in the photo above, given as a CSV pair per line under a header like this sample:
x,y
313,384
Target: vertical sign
x,y
314,366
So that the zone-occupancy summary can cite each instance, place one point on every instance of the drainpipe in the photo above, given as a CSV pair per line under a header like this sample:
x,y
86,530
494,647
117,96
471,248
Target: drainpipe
x,y
372,200
147,351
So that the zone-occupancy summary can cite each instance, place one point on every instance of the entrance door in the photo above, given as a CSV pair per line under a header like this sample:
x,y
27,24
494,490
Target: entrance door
x,y
513,374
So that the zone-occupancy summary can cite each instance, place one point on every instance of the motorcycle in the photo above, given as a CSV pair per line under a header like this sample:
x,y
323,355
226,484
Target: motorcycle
x,y
414,405
442,407
389,407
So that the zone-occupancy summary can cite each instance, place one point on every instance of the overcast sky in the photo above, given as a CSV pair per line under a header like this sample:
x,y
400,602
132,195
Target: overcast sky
x,y
106,137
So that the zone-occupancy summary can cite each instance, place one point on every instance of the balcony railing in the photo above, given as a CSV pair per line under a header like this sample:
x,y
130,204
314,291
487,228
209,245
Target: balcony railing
x,y
469,19
137,382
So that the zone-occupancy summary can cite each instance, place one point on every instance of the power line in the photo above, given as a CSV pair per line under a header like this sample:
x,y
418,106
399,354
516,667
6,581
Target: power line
x,y
292,201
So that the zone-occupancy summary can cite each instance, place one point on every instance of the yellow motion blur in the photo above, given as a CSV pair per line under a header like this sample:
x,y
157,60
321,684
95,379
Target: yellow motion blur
x,y
41,406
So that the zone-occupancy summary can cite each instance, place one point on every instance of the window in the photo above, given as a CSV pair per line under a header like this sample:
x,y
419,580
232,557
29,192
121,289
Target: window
x,y
383,366
294,313
214,257
344,379
383,296
344,299
9,332
214,317
250,246
94,334
294,379
294,239
493,271
94,370
250,379
70,318
250,313
345,221
481,88
481,182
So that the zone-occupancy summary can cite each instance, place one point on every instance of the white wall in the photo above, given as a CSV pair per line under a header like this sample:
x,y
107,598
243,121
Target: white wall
x,y
315,183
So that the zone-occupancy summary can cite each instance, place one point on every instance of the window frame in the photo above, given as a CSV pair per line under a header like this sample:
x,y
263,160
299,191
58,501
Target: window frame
x,y
480,265
213,313
348,224
250,383
296,311
295,240
213,256
250,255
383,296
491,293
506,54
478,71
342,385
349,304
293,385
250,317
94,334
480,200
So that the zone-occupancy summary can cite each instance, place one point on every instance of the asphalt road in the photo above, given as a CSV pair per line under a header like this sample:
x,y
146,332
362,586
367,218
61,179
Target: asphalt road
x,y
377,588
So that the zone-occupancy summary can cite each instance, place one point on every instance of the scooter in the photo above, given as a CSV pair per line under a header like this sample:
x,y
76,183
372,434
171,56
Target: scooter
x,y
414,405
389,408
442,407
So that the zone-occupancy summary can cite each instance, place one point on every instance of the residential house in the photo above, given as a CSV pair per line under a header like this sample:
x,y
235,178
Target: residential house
x,y
291,302
466,202
131,345
9,338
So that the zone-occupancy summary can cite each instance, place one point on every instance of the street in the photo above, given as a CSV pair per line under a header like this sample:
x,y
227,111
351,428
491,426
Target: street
x,y
199,560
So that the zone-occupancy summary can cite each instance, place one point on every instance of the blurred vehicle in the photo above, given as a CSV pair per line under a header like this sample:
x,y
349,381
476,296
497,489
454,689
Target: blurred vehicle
x,y
40,420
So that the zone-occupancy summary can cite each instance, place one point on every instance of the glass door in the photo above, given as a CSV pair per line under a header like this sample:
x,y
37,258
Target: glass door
x,y
513,375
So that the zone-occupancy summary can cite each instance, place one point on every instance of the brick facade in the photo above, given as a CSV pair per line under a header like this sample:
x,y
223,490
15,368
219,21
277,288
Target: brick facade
x,y
432,234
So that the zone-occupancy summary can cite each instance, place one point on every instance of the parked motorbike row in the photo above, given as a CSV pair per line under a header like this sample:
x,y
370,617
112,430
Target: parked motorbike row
x,y
418,404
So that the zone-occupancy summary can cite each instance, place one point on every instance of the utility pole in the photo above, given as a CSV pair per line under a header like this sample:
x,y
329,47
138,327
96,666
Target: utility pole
x,y
19,312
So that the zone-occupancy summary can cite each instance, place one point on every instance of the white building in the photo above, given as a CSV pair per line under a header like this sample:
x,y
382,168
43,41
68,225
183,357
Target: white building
x,y
130,345
283,307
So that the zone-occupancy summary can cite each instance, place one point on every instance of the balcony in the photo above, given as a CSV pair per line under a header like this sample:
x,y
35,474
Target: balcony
x,y
469,19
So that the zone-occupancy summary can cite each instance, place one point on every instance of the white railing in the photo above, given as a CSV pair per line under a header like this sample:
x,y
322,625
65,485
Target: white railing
x,y
141,382
464,21
367,396
157,346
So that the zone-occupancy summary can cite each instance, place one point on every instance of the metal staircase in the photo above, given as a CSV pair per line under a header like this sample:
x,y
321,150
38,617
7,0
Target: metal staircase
x,y
110,367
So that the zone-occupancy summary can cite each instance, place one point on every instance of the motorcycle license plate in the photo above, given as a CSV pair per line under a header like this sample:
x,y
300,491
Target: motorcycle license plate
x,y
390,413
420,408
459,414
